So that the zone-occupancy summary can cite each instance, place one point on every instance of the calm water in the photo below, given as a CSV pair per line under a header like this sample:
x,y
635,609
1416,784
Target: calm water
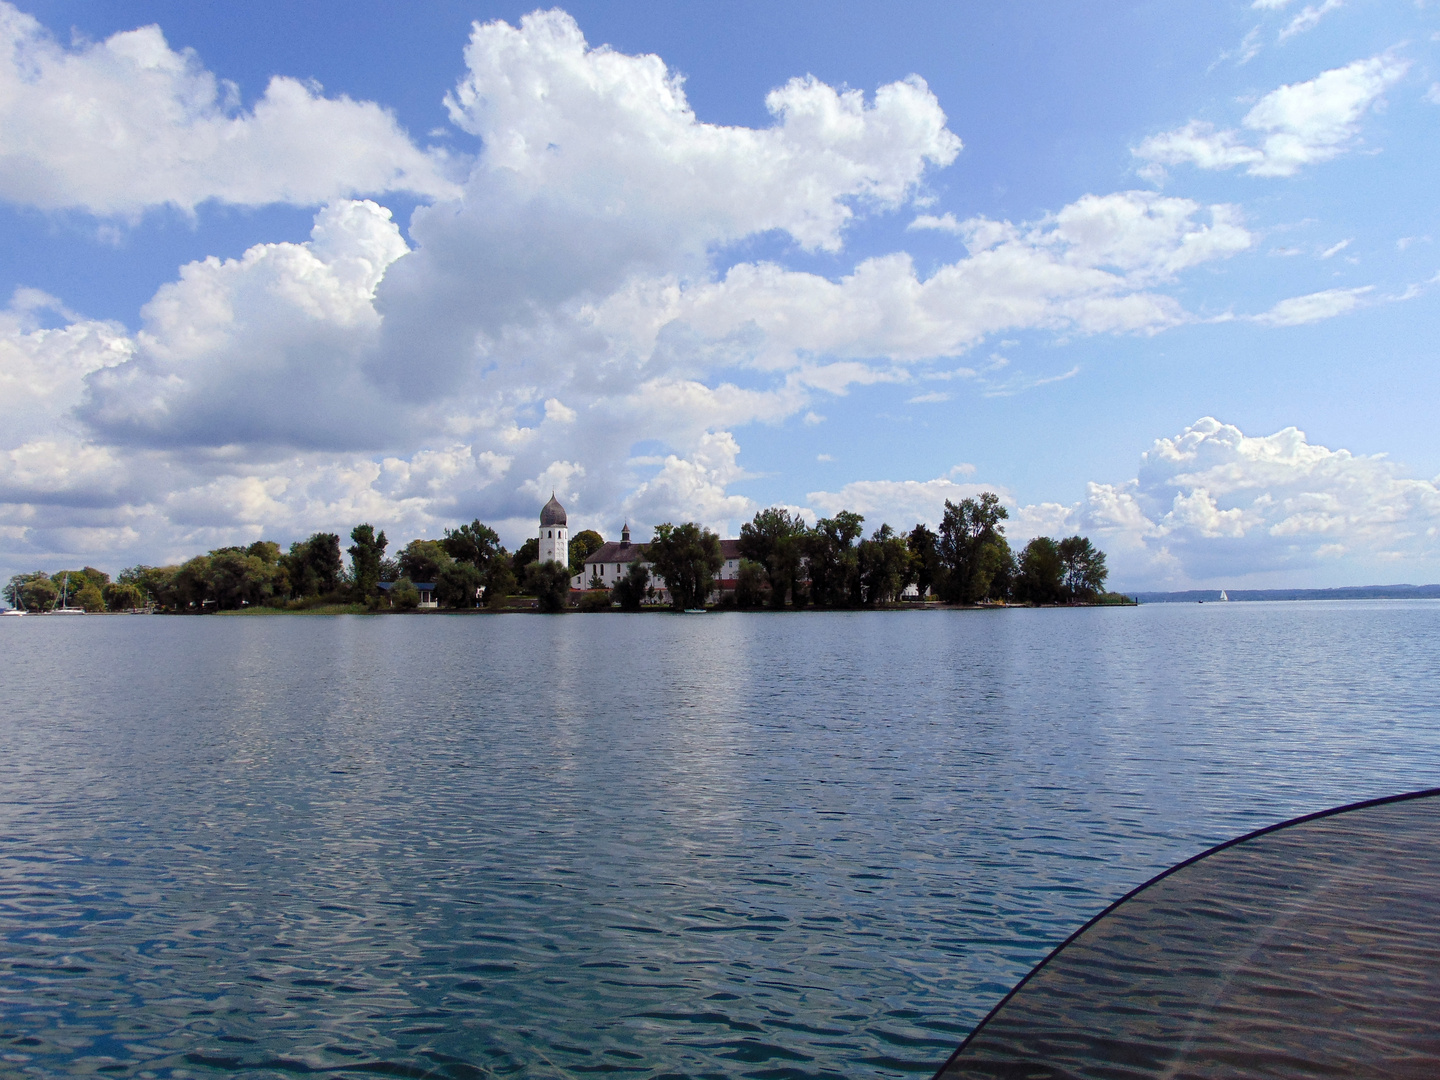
x,y
742,845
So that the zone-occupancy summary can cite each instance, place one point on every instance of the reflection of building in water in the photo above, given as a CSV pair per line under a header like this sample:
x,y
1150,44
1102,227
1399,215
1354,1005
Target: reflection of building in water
x,y
612,560
554,534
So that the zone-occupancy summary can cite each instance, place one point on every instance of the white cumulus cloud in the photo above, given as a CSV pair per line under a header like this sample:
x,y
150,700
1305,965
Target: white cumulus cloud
x,y
266,348
1213,504
613,133
117,126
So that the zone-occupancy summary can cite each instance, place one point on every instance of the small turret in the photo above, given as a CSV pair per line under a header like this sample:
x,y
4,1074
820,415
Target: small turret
x,y
625,536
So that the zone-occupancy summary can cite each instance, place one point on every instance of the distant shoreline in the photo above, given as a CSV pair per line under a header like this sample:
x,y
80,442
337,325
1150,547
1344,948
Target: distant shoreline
x,y
1352,592
648,609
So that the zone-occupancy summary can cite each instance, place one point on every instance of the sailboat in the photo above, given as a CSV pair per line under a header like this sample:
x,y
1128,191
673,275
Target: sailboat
x,y
18,608
61,608
1223,596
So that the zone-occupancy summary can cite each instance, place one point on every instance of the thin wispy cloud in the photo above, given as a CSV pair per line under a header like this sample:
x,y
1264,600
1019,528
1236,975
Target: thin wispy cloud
x,y
1315,307
1309,18
1289,128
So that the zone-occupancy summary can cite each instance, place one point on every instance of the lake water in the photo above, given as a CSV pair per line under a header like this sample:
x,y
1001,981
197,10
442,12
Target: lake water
x,y
763,845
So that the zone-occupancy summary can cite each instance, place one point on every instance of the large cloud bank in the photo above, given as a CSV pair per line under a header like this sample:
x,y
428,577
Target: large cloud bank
x,y
564,316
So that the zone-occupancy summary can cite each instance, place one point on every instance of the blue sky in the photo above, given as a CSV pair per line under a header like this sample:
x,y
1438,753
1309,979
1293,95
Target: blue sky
x,y
1165,274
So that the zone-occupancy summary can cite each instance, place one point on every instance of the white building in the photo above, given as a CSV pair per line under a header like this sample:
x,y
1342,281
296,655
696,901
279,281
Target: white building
x,y
611,561
554,534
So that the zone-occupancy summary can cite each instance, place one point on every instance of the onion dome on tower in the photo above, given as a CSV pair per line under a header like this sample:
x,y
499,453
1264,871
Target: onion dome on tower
x,y
552,513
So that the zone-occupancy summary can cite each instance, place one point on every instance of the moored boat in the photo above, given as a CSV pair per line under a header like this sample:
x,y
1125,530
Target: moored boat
x,y
62,607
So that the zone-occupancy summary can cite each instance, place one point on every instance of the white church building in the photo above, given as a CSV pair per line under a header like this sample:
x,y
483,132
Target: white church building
x,y
611,561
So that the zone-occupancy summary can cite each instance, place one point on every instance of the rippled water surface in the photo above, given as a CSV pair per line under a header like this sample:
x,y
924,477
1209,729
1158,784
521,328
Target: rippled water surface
x,y
742,845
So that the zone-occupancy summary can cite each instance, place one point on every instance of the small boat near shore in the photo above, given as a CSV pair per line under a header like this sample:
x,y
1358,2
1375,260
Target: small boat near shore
x,y
61,607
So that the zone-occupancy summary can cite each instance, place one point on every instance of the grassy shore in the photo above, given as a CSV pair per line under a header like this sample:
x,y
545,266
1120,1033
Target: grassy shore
x,y
322,609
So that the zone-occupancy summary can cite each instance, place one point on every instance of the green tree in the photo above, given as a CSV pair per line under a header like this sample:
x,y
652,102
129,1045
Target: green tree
x,y
631,590
1040,579
41,594
922,543
187,588
366,551
122,596
422,560
1084,568
267,551
582,546
776,540
82,588
35,592
232,578
687,557
834,561
89,597
550,583
476,544
973,551
179,588
312,567
997,564
885,566
78,579
459,585
529,552
150,580
500,580
752,585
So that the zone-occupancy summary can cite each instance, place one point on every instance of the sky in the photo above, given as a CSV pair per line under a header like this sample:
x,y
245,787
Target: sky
x,y
1164,274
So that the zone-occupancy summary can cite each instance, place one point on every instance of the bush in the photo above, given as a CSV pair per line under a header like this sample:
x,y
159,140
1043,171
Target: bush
x,y
595,600
404,596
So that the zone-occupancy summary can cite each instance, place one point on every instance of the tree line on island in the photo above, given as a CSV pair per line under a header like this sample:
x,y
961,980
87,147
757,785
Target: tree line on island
x,y
784,563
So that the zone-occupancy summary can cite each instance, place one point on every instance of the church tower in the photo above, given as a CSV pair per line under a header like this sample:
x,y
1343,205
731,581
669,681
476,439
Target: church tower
x,y
554,536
